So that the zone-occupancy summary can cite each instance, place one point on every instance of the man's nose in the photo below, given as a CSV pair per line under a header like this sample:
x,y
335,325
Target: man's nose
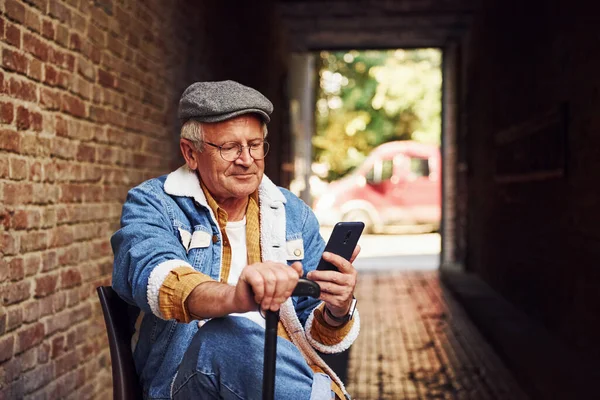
x,y
245,158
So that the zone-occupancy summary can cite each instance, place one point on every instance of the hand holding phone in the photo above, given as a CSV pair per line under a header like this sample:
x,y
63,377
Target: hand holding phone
x,y
342,242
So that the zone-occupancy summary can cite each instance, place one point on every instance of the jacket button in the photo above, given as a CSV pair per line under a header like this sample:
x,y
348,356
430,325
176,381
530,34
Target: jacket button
x,y
297,252
215,238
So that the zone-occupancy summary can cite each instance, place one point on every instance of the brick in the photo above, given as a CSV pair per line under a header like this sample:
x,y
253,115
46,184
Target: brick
x,y
59,11
32,263
3,174
14,319
58,347
17,168
49,172
37,378
35,46
23,121
78,22
35,69
34,241
116,46
45,285
12,35
22,90
36,121
86,153
10,243
31,312
12,371
66,363
10,140
63,386
62,236
62,35
106,79
75,42
41,5
99,18
16,269
73,105
4,275
19,220
45,194
68,255
28,359
13,61
16,293
86,69
6,112
15,10
36,173
6,348
35,145
49,99
70,278
43,353
17,193
49,260
82,87
2,315
59,58
64,80
48,30
59,321
96,35
50,75
62,127
32,20
30,336
59,301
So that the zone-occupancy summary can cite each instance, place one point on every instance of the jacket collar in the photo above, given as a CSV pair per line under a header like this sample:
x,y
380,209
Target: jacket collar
x,y
184,182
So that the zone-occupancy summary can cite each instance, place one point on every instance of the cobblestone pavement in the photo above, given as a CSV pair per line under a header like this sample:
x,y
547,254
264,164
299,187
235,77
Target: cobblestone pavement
x,y
417,343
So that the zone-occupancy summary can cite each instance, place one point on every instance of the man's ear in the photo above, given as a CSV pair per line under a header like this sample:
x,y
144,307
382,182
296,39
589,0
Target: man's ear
x,y
189,152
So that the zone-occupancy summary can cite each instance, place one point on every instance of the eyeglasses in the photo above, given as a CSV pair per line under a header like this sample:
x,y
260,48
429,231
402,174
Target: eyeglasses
x,y
231,151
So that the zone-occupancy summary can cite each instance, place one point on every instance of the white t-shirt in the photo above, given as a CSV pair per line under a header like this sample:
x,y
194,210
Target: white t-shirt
x,y
236,232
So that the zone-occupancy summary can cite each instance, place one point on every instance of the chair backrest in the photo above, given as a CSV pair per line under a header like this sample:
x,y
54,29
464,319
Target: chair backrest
x,y
126,383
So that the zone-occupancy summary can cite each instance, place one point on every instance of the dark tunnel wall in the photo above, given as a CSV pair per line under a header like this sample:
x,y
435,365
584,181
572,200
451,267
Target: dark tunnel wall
x,y
246,44
533,97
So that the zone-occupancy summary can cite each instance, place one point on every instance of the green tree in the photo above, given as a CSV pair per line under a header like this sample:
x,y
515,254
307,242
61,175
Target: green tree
x,y
366,98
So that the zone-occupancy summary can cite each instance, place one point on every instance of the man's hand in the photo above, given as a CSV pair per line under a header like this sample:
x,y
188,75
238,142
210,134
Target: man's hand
x,y
267,284
337,288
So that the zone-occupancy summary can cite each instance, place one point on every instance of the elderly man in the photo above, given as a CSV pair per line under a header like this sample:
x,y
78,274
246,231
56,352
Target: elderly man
x,y
203,249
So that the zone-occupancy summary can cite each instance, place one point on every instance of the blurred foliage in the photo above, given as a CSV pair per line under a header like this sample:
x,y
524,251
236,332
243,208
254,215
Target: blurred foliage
x,y
366,98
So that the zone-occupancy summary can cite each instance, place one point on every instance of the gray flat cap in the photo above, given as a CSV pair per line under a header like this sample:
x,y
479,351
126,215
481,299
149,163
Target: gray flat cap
x,y
218,101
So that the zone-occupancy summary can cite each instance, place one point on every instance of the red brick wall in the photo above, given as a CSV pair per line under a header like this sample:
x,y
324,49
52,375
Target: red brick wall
x,y
88,95
537,240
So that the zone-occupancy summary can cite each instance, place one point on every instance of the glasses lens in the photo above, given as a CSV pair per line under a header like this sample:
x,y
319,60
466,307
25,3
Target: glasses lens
x,y
258,151
230,151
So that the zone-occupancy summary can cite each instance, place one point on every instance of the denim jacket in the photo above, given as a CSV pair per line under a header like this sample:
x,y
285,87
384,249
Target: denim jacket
x,y
166,223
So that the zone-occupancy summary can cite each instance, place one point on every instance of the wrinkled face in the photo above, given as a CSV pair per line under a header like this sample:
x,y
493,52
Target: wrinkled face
x,y
229,180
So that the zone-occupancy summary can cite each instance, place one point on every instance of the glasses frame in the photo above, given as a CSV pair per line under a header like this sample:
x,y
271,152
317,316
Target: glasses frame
x,y
240,150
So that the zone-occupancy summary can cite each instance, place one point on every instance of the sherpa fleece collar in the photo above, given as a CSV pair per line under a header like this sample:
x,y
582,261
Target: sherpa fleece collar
x,y
185,183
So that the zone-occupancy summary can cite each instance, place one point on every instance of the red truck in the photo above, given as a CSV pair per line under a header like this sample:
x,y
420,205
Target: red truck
x,y
398,184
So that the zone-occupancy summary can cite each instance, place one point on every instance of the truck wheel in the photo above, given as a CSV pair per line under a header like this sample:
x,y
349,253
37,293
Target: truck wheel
x,y
359,215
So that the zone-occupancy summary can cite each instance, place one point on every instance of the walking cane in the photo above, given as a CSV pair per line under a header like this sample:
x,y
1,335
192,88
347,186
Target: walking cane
x,y
303,288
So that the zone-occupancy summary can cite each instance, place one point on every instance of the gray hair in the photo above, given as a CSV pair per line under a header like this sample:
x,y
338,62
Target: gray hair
x,y
192,131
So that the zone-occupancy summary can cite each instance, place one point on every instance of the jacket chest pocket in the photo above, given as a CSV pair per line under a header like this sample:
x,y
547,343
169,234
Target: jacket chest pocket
x,y
199,239
196,245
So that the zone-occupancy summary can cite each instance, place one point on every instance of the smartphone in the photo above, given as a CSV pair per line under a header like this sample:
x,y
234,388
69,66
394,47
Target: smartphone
x,y
342,242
